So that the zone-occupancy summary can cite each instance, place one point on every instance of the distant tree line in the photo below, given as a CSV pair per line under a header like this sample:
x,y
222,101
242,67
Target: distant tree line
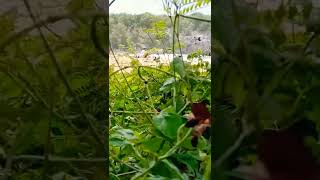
x,y
146,31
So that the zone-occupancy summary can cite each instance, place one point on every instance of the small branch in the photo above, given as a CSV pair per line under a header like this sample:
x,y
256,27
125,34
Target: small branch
x,y
194,18
313,36
123,174
111,2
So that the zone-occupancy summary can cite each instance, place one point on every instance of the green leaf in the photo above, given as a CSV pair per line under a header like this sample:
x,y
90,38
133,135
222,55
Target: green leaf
x,y
162,169
126,133
168,123
180,102
153,144
207,171
115,141
178,66
166,87
187,159
173,168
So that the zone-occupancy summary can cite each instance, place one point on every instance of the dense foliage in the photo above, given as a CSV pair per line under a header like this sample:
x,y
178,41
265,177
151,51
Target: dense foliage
x,y
148,137
266,76
53,103
53,99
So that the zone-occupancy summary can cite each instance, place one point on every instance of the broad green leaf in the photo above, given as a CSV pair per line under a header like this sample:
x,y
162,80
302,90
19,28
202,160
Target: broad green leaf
x,y
163,170
168,123
173,168
114,141
178,66
187,159
166,87
153,145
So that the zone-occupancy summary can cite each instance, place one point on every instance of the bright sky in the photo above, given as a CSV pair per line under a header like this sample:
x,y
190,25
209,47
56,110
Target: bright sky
x,y
142,6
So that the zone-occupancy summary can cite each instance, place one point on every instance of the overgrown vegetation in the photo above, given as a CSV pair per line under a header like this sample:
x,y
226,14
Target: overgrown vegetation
x,y
148,105
54,91
266,76
53,99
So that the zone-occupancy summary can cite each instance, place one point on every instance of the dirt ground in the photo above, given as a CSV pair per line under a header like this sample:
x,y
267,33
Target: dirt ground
x,y
124,60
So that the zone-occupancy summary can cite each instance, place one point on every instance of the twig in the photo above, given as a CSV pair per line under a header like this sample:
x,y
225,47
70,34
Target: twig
x,y
123,174
313,36
111,2
194,18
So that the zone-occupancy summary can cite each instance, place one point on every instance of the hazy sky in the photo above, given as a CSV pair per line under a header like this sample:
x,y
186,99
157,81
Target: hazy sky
x,y
141,6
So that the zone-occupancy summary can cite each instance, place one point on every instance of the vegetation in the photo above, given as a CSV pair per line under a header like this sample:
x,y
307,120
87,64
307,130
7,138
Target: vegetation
x,y
54,92
265,77
148,138
54,100
141,30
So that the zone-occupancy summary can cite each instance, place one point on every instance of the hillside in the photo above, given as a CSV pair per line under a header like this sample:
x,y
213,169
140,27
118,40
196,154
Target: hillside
x,y
148,30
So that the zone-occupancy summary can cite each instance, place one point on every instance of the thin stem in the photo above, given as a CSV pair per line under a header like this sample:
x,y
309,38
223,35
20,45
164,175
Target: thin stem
x,y
111,2
127,173
313,36
194,18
